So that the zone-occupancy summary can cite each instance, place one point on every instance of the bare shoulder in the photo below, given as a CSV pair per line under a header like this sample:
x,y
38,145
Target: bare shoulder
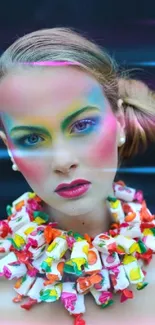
x,y
141,308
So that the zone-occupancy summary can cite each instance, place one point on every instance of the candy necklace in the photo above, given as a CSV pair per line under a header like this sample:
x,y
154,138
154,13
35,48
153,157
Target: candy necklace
x,y
51,264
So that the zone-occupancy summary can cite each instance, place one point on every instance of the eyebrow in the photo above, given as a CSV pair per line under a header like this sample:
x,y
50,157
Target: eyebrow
x,y
72,116
34,129
64,124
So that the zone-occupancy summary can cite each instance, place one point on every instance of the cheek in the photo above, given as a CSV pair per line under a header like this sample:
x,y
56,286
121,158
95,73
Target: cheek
x,y
103,149
31,168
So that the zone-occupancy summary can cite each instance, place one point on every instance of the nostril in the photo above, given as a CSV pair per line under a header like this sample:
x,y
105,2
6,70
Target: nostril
x,y
73,166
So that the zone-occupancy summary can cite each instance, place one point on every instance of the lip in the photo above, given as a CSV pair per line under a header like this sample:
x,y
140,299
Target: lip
x,y
74,189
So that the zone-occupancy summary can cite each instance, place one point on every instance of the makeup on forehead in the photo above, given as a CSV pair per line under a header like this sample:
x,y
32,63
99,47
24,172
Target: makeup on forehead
x,y
64,123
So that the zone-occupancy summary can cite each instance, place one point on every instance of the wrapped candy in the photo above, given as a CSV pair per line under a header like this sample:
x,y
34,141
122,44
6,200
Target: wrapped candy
x,y
118,278
11,268
5,229
116,209
79,307
128,194
37,252
104,243
36,287
78,259
56,272
51,293
57,248
104,284
94,261
20,237
69,296
110,260
102,298
23,284
131,231
85,283
126,245
132,269
19,219
149,242
5,246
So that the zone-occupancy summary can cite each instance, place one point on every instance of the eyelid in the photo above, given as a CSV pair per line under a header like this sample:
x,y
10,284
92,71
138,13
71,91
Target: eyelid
x,y
86,118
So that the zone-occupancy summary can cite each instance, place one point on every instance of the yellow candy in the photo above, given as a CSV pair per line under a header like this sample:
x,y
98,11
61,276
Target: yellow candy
x,y
52,246
31,195
39,220
18,240
114,205
133,248
49,261
147,232
135,274
129,259
29,230
85,249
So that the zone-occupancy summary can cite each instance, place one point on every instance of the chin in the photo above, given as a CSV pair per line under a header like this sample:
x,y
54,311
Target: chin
x,y
80,206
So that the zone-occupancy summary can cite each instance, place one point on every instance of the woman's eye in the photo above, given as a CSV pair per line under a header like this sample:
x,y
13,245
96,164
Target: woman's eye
x,y
30,140
84,126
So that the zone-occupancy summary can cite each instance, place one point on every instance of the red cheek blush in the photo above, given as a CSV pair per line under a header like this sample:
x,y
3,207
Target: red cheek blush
x,y
103,147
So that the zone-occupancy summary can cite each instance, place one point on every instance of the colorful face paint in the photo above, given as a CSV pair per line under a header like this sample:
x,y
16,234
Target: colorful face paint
x,y
63,129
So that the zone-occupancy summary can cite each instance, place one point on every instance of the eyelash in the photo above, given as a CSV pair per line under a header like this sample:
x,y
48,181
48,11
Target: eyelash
x,y
22,140
88,123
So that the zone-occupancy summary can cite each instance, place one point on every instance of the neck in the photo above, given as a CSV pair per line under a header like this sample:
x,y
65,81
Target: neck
x,y
92,223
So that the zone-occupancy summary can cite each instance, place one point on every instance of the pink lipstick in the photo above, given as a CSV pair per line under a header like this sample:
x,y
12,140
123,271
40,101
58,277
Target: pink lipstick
x,y
73,189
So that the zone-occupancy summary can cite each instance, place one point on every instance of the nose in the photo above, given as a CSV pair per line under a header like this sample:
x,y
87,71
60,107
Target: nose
x,y
64,161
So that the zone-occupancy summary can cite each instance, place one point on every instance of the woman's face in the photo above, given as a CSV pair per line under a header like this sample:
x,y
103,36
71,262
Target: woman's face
x,y
60,128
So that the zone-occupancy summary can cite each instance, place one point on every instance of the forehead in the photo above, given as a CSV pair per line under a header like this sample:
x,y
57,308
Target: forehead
x,y
55,88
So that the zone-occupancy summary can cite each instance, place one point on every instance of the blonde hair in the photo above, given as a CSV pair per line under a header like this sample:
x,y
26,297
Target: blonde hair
x,y
62,44
139,111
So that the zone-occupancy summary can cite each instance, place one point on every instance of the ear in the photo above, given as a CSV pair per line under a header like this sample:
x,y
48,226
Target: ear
x,y
120,123
4,138
5,141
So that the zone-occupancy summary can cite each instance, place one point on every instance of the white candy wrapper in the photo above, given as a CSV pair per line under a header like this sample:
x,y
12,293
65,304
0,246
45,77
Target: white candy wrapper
x,y
23,285
51,293
94,261
69,295
38,262
57,248
79,307
124,193
26,230
149,241
37,252
104,285
5,245
101,297
34,292
128,245
132,269
11,257
56,272
116,210
11,271
132,231
110,260
20,219
119,278
104,243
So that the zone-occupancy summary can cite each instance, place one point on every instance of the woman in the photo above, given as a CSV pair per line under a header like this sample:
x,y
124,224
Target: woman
x,y
66,130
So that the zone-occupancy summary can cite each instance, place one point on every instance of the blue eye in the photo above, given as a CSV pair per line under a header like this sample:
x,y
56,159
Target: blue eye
x,y
85,125
29,140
